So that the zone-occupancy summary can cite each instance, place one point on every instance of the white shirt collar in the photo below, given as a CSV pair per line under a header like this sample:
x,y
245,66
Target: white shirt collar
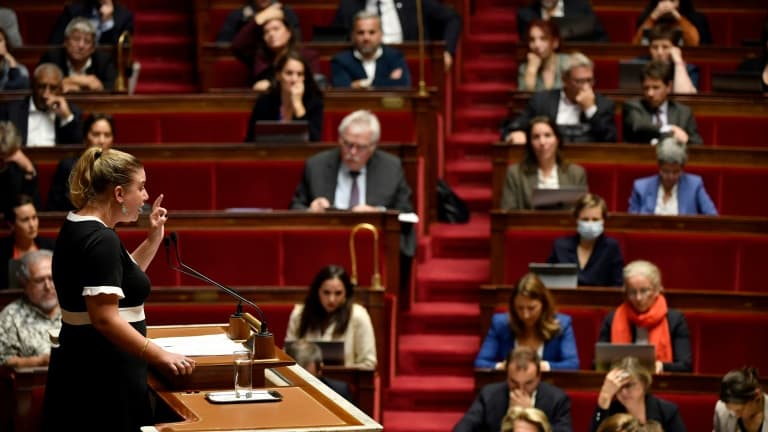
x,y
376,55
74,71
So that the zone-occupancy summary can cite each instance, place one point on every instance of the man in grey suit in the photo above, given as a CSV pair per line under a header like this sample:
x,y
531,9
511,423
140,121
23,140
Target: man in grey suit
x,y
522,388
581,114
655,115
356,176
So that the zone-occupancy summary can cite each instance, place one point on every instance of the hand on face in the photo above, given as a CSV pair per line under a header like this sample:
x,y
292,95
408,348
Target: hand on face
x,y
516,138
613,382
58,105
534,60
521,398
106,10
297,91
585,97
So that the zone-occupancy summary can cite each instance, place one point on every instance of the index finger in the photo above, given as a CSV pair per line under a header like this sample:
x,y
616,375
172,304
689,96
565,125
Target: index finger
x,y
158,201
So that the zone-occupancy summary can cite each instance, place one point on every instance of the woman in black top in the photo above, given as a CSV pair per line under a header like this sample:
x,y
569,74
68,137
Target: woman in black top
x,y
294,96
103,353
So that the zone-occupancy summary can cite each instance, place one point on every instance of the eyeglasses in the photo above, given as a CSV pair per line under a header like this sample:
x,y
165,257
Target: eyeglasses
x,y
582,81
359,147
642,292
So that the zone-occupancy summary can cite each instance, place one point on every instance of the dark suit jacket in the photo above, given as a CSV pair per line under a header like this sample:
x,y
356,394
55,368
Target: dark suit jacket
x,y
6,254
13,182
571,8
682,359
101,65
637,119
518,186
600,128
235,21
339,387
440,22
490,407
17,112
123,22
58,193
345,68
604,267
267,107
662,411
384,181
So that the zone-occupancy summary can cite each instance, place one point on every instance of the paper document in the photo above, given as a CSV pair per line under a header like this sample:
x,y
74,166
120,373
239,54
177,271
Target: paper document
x,y
205,345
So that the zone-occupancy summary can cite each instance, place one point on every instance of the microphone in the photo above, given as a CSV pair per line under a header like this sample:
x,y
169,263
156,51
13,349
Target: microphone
x,y
189,271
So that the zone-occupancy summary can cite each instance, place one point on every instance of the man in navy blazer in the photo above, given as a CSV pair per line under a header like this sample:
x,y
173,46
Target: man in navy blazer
x,y
369,63
688,189
524,388
441,22
581,114
56,120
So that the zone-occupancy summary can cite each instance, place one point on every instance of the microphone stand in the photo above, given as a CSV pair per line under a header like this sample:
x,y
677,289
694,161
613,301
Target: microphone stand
x,y
262,341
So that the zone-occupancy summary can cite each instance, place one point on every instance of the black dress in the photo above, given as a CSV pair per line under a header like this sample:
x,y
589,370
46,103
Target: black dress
x,y
108,385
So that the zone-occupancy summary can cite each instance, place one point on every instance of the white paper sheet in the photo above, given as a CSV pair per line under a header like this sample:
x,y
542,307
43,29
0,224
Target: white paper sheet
x,y
205,345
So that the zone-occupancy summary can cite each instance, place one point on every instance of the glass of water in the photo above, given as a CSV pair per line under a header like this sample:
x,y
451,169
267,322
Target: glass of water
x,y
243,364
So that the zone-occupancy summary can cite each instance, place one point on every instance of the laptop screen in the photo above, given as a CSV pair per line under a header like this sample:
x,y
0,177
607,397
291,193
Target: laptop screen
x,y
607,354
268,132
560,275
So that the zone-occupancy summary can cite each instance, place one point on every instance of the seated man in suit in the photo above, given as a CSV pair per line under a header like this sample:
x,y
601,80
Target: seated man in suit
x,y
522,388
581,114
369,63
84,68
25,323
578,20
309,356
399,21
46,118
654,116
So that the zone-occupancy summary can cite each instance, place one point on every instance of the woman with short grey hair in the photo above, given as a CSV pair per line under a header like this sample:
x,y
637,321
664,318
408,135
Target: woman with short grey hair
x,y
671,191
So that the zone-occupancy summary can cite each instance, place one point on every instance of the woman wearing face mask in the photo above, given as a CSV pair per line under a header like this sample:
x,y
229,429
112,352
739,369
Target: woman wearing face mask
x,y
330,314
626,389
295,96
542,166
532,321
99,131
541,71
644,318
598,256
743,405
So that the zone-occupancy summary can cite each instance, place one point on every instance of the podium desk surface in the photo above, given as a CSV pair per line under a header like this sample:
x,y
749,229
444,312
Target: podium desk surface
x,y
307,404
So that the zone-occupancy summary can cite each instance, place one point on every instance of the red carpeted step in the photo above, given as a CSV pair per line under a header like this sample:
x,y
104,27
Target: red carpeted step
x,y
489,44
501,70
471,240
484,93
441,318
166,47
452,279
494,20
437,354
484,118
478,198
162,22
475,171
430,392
420,421
170,71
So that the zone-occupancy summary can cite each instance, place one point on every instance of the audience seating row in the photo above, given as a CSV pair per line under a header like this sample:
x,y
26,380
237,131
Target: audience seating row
x,y
210,171
722,119
729,173
730,321
726,252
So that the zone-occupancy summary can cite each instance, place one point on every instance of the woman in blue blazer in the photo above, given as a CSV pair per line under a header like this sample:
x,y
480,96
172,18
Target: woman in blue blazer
x,y
531,321
681,193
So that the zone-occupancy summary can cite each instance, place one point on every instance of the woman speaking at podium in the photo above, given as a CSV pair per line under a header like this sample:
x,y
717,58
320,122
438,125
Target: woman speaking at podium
x,y
101,362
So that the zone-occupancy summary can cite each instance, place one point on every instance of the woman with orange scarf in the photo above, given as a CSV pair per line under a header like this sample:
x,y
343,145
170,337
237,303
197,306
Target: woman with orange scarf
x,y
645,318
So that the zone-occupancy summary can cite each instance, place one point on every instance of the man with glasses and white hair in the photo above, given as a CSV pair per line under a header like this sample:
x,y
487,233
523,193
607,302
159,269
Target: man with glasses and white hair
x,y
26,324
355,176
644,318
83,66
581,114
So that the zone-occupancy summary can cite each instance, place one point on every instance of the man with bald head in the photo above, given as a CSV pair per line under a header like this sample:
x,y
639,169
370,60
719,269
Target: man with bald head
x,y
26,324
46,118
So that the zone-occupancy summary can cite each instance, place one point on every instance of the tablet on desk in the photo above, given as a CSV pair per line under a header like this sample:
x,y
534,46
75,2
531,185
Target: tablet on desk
x,y
606,354
562,197
277,132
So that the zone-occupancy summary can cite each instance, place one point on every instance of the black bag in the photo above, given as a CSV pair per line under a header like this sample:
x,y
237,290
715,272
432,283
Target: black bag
x,y
450,208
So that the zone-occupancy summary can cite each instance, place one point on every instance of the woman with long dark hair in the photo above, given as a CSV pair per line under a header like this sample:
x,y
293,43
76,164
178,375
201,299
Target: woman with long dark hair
x,y
330,314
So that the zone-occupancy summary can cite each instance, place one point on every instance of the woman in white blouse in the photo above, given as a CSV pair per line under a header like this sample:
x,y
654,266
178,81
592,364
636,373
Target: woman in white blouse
x,y
329,314
671,192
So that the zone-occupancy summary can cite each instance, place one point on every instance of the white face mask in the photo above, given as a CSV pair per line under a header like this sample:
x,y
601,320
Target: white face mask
x,y
590,230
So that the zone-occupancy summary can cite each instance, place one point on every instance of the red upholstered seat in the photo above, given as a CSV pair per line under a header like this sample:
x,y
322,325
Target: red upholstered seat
x,y
261,184
586,328
230,73
188,127
722,341
396,126
526,246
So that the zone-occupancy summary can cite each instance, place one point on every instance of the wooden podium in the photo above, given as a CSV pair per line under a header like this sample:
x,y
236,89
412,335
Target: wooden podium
x,y
307,405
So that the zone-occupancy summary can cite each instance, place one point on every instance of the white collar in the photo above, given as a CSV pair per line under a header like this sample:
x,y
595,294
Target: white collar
x,y
379,52
74,217
73,71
